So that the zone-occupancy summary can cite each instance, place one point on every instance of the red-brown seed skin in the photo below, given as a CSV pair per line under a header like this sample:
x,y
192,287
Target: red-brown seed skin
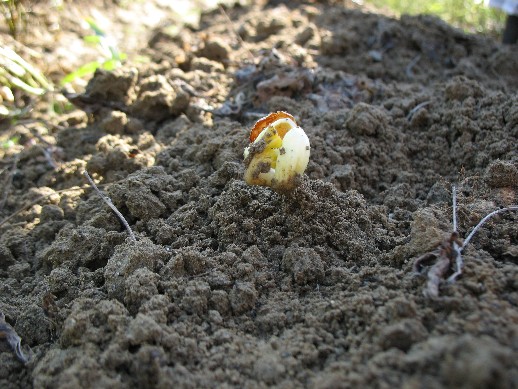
x,y
262,123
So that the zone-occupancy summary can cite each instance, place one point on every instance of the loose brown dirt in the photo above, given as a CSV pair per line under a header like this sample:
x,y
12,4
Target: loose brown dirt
x,y
230,285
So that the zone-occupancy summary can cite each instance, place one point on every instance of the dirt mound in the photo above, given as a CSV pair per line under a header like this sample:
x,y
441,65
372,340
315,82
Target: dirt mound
x,y
238,286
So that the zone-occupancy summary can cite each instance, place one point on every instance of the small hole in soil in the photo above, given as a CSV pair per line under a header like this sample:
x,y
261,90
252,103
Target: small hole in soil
x,y
133,349
97,264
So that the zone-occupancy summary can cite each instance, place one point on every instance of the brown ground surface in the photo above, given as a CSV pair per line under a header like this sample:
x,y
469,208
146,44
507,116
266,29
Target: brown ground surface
x,y
238,286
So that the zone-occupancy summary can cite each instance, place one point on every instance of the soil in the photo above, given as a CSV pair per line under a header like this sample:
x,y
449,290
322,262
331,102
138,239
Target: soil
x,y
230,285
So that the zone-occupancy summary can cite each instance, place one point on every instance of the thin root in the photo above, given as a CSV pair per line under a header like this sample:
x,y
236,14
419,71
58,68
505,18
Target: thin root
x,y
108,202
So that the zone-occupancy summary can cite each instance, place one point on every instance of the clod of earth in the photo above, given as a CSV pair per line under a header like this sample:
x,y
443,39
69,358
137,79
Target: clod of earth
x,y
278,153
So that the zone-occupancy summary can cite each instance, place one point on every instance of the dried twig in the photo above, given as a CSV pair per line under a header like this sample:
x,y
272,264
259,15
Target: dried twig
x,y
8,334
408,70
108,201
48,157
231,26
28,122
416,108
444,256
449,252
28,206
37,201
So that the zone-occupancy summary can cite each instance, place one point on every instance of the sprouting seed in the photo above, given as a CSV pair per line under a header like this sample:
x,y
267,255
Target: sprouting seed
x,y
278,153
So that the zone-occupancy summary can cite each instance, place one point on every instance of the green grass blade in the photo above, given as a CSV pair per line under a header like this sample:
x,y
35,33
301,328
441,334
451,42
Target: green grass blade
x,y
85,70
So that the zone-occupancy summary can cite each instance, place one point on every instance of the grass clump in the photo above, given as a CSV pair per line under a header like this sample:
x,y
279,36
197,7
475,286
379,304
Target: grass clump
x,y
111,56
469,15
18,75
